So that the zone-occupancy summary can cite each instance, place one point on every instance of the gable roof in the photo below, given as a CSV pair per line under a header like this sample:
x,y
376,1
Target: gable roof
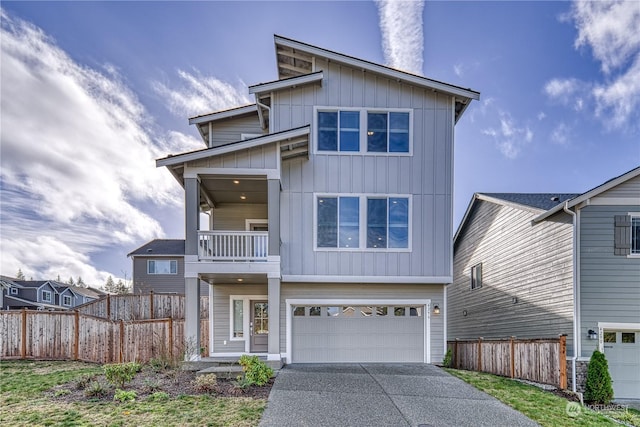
x,y
532,202
296,58
160,247
592,193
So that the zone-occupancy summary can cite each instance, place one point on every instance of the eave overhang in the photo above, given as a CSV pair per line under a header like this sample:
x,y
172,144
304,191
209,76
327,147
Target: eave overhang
x,y
287,83
225,114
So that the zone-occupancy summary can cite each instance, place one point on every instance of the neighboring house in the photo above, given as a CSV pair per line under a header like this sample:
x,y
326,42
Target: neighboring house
x,y
539,265
158,266
330,213
44,295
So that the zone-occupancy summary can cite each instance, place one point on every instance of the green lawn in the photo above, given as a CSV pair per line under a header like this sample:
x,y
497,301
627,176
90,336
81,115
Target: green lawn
x,y
541,406
27,399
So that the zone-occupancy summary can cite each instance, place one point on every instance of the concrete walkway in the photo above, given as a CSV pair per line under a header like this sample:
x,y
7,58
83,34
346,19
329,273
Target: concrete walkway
x,y
381,395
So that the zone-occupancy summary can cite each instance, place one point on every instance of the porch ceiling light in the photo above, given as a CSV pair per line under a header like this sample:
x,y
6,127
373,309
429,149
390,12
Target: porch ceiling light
x,y
243,197
235,181
240,280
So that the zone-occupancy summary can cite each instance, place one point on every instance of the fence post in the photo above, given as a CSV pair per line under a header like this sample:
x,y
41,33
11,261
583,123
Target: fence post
x,y
76,338
170,338
121,341
151,315
562,354
23,347
455,354
108,306
513,357
480,354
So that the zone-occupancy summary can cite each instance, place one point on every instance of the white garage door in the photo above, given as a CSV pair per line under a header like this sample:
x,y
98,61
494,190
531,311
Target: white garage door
x,y
622,349
352,333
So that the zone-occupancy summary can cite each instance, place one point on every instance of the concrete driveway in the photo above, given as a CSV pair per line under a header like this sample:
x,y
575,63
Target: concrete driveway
x,y
381,395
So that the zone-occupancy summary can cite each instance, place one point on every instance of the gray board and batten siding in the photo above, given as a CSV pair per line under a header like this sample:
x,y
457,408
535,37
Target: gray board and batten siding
x,y
609,283
229,131
527,271
425,176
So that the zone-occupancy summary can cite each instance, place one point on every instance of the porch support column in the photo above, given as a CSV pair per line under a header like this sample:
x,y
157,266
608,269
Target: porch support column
x,y
191,215
274,316
191,319
273,210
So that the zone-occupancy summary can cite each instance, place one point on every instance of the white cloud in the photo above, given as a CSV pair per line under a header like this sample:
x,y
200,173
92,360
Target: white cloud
x,y
509,137
561,134
78,159
610,30
457,70
200,94
541,115
402,35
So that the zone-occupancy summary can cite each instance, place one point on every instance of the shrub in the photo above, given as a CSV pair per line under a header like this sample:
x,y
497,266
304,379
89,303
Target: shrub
x,y
84,381
125,396
598,388
96,389
206,383
152,385
447,362
159,396
255,371
119,374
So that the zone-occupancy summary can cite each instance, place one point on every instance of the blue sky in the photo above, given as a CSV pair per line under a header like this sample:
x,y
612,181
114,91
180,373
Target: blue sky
x,y
93,92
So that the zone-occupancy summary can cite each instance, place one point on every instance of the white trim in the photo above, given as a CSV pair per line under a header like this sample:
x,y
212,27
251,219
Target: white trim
x,y
313,137
249,222
426,280
246,317
42,293
238,354
13,291
633,215
380,69
613,201
193,172
444,314
70,300
426,303
162,274
291,82
362,222
614,326
233,112
211,328
234,147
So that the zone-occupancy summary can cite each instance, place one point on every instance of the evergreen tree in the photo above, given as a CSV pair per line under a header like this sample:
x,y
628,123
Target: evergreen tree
x,y
121,288
110,285
598,388
58,278
20,274
81,283
71,282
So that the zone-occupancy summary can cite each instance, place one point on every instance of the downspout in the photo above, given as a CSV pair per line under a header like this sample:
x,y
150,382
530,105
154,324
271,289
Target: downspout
x,y
575,296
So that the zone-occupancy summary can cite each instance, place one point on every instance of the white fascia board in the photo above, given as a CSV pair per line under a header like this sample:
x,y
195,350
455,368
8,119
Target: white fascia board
x,y
380,69
428,280
286,83
219,115
589,194
230,148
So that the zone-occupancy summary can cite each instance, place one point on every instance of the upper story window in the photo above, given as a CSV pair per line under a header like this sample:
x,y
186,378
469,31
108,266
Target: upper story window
x,y
66,300
13,291
635,235
47,296
364,131
362,222
162,266
476,276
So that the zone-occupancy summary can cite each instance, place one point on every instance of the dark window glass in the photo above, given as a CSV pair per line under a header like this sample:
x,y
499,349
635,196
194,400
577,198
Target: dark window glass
x,y
399,311
609,337
349,131
298,311
377,132
349,222
398,222
628,337
327,222
398,132
314,311
377,223
327,131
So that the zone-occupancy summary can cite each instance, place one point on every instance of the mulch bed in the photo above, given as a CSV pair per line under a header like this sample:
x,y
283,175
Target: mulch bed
x,y
174,382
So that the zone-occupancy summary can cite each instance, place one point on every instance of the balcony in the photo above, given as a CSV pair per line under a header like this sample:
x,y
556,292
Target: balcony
x,y
241,246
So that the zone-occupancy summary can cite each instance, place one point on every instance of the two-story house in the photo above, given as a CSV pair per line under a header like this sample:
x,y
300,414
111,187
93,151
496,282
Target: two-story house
x,y
329,203
44,295
539,265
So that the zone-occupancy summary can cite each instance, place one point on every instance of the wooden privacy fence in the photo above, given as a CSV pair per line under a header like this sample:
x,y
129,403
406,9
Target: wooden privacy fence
x,y
28,334
141,307
539,360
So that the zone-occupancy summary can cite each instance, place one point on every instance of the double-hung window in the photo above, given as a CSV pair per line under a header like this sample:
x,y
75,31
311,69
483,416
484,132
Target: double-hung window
x,y
66,300
362,222
47,296
338,222
476,276
388,222
339,130
363,131
162,266
388,132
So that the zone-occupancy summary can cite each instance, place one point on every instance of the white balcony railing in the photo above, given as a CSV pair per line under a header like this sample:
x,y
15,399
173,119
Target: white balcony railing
x,y
233,245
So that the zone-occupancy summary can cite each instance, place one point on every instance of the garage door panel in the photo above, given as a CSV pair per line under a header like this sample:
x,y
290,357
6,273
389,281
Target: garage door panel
x,y
623,358
354,336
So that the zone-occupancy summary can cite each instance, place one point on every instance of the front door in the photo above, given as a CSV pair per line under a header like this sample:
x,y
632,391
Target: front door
x,y
259,327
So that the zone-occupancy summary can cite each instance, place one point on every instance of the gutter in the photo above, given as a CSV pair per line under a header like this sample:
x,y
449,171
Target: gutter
x,y
575,295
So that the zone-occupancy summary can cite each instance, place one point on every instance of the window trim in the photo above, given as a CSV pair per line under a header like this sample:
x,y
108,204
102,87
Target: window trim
x,y
46,292
246,317
632,254
64,297
474,279
13,291
149,261
363,131
362,222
